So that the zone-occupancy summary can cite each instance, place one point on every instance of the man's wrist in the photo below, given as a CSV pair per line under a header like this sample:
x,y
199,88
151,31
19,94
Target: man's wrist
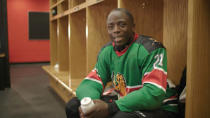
x,y
112,108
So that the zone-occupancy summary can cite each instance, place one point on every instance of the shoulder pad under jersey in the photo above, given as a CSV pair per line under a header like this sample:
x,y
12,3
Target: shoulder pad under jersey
x,y
149,43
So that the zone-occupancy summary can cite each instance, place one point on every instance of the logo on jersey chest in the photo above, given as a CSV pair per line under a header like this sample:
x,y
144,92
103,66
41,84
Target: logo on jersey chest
x,y
119,83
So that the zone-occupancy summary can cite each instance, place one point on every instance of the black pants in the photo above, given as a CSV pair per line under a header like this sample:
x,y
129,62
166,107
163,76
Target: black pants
x,y
73,112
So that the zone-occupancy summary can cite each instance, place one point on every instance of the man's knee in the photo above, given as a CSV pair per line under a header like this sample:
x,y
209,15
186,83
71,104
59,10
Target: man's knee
x,y
72,108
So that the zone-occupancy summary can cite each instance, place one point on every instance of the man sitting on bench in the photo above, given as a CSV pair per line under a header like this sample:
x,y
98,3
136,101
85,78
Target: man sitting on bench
x,y
137,67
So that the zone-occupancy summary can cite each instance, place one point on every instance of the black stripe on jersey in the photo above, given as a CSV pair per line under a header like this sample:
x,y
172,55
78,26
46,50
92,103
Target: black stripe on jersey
x,y
149,43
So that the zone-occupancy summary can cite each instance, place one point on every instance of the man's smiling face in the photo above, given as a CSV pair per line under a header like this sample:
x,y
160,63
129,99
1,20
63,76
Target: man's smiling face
x,y
120,27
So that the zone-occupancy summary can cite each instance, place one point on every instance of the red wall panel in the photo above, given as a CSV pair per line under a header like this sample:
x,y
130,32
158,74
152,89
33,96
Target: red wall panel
x,y
21,49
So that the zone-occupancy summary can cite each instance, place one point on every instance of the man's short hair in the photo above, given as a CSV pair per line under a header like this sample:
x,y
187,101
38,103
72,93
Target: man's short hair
x,y
130,16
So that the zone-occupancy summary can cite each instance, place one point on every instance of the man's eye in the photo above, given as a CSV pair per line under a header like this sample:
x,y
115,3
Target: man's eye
x,y
110,27
122,25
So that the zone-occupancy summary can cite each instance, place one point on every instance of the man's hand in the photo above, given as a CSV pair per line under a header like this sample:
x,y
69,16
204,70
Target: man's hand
x,y
100,110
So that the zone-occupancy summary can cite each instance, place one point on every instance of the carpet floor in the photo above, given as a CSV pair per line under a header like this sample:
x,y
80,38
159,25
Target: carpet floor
x,y
30,95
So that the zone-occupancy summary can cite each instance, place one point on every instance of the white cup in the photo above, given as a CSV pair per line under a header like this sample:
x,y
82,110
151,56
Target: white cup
x,y
86,104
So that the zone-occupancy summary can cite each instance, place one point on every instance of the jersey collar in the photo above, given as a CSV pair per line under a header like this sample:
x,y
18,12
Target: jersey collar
x,y
120,53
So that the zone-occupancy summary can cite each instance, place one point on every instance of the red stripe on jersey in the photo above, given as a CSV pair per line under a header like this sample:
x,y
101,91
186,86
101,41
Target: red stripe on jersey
x,y
156,77
129,90
93,74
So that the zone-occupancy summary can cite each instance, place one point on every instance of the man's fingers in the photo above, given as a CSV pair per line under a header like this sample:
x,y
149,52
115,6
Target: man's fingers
x,y
81,113
96,101
90,115
90,111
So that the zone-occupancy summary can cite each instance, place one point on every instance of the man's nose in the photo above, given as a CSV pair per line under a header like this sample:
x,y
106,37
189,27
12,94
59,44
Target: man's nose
x,y
116,29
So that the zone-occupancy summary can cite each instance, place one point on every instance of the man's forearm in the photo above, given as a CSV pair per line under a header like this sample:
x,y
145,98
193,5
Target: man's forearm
x,y
89,89
147,98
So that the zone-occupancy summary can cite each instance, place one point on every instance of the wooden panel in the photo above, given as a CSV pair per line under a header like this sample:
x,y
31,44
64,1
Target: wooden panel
x,y
63,45
64,93
62,76
59,82
78,7
148,16
93,2
59,9
52,2
53,43
64,5
198,55
75,83
175,37
78,44
66,12
69,3
53,18
74,3
56,4
97,35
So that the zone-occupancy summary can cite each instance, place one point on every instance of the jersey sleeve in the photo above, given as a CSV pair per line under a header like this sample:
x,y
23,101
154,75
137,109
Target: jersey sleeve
x,y
94,83
155,69
154,74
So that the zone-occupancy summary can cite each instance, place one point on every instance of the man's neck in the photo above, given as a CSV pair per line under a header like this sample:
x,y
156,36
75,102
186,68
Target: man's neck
x,y
120,48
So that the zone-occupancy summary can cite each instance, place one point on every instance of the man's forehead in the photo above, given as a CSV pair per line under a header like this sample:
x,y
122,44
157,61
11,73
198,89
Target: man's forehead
x,y
118,15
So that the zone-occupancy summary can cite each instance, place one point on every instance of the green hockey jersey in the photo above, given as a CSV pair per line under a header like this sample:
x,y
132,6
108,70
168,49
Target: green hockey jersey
x,y
138,74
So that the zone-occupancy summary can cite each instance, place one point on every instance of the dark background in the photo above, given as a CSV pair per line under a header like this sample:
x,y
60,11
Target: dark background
x,y
4,60
38,25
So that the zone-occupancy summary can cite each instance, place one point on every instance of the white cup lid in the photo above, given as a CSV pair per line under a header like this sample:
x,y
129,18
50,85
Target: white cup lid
x,y
86,101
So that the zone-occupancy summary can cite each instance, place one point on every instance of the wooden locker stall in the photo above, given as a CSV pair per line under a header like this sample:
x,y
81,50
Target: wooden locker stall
x,y
52,3
148,16
74,3
175,37
77,47
97,35
53,43
63,6
198,59
63,44
59,47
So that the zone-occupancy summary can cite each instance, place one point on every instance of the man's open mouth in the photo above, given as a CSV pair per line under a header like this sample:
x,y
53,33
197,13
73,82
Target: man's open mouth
x,y
118,39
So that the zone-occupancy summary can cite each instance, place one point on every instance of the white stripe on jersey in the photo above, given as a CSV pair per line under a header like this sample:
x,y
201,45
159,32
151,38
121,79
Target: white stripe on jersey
x,y
160,69
173,104
137,86
169,99
156,85
95,80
